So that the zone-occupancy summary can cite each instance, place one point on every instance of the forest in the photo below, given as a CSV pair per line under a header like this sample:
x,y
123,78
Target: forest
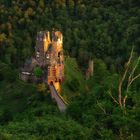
x,y
106,106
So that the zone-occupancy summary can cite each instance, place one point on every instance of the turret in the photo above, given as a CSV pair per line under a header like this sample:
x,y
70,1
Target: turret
x,y
57,36
57,41
46,40
42,43
39,45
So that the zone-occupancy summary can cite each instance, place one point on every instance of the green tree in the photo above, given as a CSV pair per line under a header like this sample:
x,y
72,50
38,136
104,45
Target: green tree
x,y
38,72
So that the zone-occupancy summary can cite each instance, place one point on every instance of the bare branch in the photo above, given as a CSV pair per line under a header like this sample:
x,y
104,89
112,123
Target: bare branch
x,y
124,100
133,71
101,107
131,79
134,78
123,78
113,98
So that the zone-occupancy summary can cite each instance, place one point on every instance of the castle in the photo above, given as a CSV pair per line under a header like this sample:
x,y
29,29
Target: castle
x,y
48,56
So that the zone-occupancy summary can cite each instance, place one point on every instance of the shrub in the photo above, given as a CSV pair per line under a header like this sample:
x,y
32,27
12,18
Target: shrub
x,y
38,72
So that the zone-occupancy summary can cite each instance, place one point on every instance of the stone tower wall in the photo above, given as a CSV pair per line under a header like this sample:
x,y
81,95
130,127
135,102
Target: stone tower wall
x,y
49,52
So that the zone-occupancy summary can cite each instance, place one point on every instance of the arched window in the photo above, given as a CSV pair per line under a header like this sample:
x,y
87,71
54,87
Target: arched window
x,y
58,54
51,83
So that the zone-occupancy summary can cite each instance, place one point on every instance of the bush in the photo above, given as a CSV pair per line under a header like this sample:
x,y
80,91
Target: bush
x,y
3,137
38,72
74,84
5,117
7,73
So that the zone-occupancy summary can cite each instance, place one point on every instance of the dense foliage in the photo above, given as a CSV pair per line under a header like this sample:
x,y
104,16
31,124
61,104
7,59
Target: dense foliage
x,y
102,30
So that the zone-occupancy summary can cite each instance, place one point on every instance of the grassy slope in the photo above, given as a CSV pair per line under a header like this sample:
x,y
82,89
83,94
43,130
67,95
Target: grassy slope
x,y
72,74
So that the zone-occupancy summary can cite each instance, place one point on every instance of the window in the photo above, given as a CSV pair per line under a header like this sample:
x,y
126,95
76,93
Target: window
x,y
47,56
58,54
37,54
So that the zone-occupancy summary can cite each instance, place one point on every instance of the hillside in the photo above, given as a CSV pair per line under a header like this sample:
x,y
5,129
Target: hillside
x,y
29,114
74,83
106,106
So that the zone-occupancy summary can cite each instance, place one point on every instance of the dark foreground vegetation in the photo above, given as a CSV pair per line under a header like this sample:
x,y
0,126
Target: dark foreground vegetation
x,y
106,106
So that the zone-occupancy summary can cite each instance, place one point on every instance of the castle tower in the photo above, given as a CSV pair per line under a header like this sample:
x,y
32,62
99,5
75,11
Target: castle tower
x,y
57,40
49,54
46,40
42,43
57,68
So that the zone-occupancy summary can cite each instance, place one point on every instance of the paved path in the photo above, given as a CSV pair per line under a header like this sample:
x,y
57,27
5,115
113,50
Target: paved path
x,y
59,100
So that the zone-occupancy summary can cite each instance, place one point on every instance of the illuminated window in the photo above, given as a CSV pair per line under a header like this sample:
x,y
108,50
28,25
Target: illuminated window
x,y
37,54
47,56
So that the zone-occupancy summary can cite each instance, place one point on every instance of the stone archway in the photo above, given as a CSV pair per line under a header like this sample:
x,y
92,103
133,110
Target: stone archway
x,y
51,82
